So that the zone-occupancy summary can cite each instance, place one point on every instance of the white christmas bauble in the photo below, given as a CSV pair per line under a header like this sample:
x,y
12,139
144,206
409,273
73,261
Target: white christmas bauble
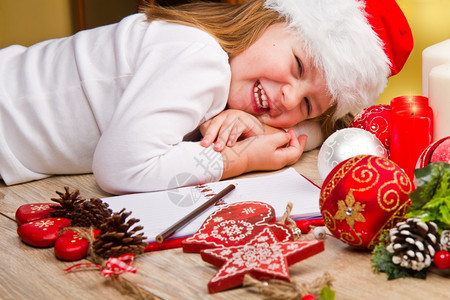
x,y
346,143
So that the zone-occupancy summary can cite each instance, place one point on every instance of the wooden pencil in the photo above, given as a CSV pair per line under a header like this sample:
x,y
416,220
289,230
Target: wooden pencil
x,y
163,235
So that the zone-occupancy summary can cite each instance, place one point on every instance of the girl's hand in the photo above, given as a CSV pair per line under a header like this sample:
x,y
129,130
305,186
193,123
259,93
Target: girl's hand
x,y
263,152
225,129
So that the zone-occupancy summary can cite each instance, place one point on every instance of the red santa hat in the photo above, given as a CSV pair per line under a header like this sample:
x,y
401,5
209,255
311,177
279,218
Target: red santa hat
x,y
357,44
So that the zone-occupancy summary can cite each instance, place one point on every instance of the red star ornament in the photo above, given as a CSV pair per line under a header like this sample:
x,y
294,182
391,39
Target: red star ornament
x,y
264,257
236,224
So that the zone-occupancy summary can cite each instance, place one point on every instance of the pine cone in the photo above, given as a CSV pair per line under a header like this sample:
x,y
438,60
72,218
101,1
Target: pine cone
x,y
68,201
413,243
116,238
445,240
92,212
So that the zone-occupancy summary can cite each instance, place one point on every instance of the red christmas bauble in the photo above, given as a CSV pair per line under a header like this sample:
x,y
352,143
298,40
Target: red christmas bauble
x,y
437,151
377,120
363,196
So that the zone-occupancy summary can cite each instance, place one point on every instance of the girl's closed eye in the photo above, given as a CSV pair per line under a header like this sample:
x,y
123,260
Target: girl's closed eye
x,y
301,70
308,105
300,66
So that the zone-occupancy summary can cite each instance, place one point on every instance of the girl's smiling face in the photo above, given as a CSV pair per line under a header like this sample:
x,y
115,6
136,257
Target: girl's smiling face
x,y
275,81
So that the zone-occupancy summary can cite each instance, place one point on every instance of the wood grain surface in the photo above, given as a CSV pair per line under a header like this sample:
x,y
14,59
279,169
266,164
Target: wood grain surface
x,y
35,273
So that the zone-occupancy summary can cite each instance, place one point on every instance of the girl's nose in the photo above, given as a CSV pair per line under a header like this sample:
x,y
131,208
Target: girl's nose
x,y
292,96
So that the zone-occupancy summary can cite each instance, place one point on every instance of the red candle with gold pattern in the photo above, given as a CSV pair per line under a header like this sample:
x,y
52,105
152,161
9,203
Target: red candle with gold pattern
x,y
411,130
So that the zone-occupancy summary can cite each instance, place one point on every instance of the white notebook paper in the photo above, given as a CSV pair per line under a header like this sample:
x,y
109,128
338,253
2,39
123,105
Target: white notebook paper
x,y
159,210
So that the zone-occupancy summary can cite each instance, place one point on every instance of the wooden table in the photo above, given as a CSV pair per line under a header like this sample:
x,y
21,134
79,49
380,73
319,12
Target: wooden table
x,y
33,273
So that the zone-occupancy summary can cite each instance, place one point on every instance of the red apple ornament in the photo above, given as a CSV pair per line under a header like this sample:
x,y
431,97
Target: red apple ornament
x,y
363,196
377,120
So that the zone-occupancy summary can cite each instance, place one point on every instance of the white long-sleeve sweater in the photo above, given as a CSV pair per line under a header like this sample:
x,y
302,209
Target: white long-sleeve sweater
x,y
116,100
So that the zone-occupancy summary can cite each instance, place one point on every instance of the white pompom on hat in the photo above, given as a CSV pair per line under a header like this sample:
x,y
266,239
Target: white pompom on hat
x,y
357,44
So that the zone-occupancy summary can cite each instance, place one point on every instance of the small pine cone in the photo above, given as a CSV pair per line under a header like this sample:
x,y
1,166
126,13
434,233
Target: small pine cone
x,y
445,240
413,243
68,201
92,212
116,237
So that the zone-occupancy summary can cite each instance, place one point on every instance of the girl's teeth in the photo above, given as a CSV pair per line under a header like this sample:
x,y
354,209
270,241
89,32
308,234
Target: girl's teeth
x,y
263,97
261,104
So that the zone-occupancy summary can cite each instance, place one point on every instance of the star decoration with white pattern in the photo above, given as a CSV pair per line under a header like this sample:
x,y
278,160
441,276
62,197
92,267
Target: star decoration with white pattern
x,y
264,257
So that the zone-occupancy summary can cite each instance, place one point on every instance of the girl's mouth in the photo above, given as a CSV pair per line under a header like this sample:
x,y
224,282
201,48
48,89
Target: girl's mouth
x,y
261,99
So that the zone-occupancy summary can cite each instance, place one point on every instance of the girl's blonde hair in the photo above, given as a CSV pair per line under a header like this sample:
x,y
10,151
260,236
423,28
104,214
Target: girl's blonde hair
x,y
235,27
330,124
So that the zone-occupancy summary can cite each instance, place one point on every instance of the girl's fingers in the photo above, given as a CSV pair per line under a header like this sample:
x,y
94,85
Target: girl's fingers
x,y
210,131
281,139
302,140
297,142
222,137
234,134
228,135
294,148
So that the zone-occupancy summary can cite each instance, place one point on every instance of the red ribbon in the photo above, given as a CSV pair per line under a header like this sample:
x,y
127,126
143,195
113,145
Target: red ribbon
x,y
114,265
119,265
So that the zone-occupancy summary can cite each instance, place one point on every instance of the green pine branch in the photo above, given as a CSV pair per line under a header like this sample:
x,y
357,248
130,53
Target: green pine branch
x,y
431,198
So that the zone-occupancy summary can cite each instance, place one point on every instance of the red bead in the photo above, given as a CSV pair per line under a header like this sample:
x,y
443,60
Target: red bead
x,y
303,225
442,259
308,297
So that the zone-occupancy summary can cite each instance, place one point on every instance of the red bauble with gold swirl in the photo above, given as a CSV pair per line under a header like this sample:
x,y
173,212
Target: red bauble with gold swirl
x,y
363,196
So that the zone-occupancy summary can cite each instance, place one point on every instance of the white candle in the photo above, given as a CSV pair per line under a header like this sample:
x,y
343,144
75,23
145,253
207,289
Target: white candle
x,y
439,100
433,56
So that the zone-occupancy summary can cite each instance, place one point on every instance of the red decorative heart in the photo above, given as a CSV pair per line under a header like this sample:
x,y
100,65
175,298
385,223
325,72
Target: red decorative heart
x,y
236,224
43,232
33,211
70,246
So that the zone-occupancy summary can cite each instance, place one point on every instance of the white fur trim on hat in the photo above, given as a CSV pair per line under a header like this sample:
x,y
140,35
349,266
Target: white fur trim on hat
x,y
340,39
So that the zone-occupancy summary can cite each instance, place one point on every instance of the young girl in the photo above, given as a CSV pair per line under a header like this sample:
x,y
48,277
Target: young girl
x,y
125,101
